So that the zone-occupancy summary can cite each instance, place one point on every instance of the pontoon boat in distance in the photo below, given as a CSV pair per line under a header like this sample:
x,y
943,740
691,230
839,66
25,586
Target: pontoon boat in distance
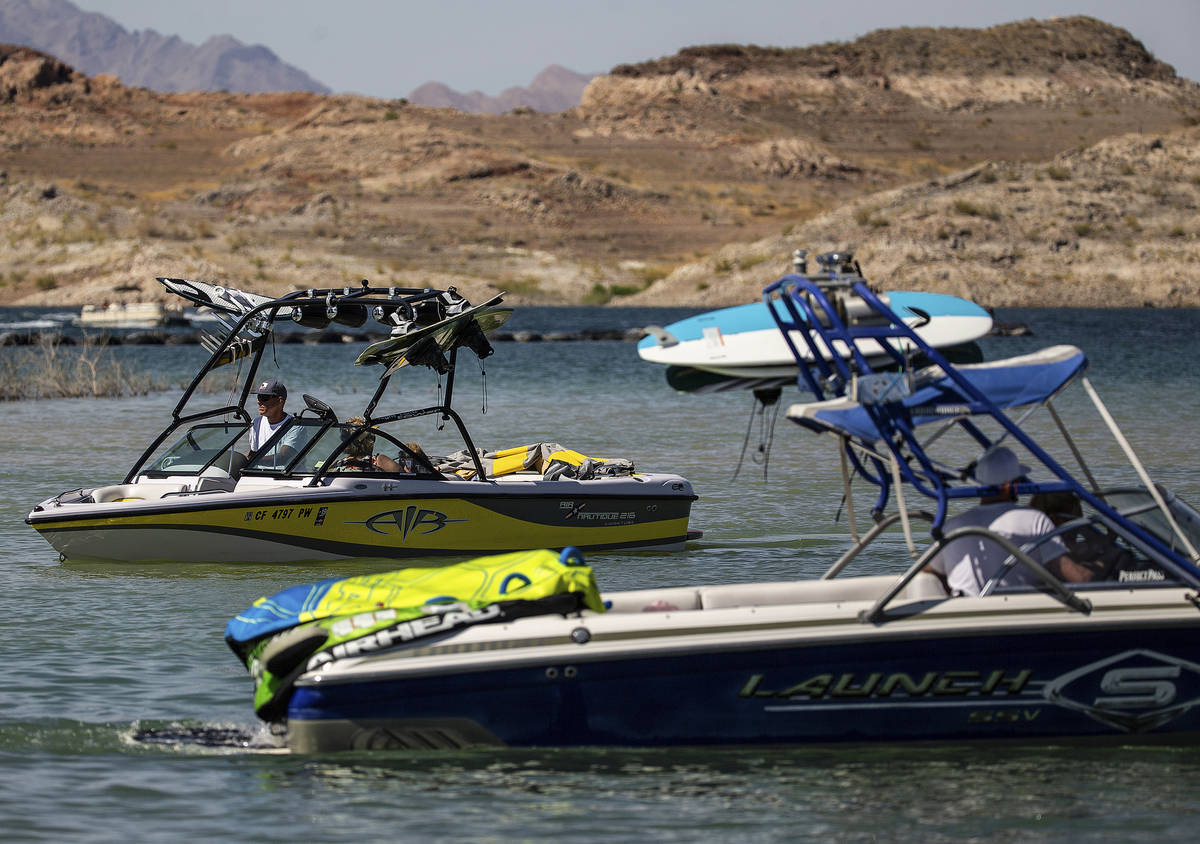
x,y
131,315
873,657
199,500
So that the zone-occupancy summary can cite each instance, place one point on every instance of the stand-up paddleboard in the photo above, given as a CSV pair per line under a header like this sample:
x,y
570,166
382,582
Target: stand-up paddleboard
x,y
744,341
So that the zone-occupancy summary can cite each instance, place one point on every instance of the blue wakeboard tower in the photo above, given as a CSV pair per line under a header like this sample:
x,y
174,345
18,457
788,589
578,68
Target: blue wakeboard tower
x,y
877,383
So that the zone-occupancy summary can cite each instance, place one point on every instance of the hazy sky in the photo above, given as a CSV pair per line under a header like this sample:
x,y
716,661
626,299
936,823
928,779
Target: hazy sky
x,y
386,49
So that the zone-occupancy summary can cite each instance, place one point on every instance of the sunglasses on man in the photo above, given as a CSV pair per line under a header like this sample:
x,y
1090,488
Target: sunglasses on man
x,y
266,399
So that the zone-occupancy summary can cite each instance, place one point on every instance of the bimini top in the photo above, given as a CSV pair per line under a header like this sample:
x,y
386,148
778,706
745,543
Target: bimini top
x,y
929,395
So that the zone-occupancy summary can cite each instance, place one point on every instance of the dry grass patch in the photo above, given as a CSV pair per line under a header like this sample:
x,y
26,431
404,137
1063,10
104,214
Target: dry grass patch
x,y
52,369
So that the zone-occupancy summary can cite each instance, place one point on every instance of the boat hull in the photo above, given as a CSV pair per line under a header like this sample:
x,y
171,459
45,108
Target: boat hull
x,y
1036,674
744,341
293,524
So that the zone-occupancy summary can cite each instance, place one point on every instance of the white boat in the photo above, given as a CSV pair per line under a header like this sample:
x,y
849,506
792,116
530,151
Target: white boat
x,y
526,651
192,496
131,315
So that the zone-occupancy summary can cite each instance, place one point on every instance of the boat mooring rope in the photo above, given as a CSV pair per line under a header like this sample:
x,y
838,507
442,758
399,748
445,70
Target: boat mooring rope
x,y
764,398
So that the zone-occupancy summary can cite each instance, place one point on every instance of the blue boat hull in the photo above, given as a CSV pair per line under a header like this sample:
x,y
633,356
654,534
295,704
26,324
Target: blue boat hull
x,y
1120,684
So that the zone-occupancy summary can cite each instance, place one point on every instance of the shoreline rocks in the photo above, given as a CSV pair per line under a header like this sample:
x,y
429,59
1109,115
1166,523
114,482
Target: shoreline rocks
x,y
189,338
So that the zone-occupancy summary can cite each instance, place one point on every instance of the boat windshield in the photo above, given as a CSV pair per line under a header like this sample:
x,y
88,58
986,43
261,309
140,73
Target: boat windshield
x,y
293,440
202,446
370,450
1139,506
1102,554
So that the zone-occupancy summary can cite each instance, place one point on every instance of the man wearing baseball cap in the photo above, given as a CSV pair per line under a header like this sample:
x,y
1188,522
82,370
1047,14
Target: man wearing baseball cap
x,y
967,563
271,417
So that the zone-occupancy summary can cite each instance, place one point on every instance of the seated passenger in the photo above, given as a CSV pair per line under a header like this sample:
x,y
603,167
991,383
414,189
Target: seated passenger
x,y
966,564
409,462
1095,553
360,457
359,453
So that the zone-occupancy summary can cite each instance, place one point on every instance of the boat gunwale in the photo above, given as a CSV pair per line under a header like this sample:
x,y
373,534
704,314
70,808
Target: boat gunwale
x,y
840,619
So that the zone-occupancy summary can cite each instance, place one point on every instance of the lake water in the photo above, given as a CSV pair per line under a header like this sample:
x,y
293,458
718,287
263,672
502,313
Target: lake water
x,y
96,653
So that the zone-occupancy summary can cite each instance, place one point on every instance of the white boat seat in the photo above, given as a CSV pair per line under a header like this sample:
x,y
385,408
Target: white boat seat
x,y
134,492
226,484
651,600
923,586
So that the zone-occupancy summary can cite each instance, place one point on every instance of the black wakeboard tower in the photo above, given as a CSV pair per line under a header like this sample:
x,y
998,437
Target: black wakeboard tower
x,y
426,328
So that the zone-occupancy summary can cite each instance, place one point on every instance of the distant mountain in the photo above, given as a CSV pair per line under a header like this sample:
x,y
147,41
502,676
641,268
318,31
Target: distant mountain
x,y
93,43
554,89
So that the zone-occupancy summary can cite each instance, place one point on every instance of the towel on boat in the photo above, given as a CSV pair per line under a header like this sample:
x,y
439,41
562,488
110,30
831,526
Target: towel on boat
x,y
550,459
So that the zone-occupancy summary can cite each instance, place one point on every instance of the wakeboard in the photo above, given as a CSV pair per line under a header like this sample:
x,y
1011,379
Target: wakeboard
x,y
393,352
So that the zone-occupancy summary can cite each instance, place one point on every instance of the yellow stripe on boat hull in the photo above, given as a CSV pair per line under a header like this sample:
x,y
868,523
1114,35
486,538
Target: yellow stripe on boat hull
x,y
372,527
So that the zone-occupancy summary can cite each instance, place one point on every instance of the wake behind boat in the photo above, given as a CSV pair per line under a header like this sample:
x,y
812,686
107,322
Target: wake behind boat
x,y
526,651
326,488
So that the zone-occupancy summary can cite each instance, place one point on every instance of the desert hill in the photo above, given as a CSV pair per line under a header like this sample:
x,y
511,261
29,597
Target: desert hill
x,y
1113,224
554,89
94,43
1032,163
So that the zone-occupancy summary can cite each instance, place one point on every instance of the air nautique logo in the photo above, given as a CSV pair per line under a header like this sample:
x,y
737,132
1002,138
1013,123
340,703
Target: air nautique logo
x,y
578,512
409,520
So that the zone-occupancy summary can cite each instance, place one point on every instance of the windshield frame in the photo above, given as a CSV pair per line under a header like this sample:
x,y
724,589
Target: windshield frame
x,y
301,426
326,442
194,436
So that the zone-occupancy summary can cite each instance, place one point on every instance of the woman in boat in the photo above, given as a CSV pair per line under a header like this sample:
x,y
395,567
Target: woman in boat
x,y
359,455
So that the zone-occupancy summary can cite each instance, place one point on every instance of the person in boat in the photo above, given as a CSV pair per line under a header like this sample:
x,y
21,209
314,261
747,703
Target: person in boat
x,y
272,395
966,564
1096,553
409,463
359,455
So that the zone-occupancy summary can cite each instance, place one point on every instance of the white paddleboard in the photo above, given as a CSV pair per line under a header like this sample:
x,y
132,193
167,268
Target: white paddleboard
x,y
744,341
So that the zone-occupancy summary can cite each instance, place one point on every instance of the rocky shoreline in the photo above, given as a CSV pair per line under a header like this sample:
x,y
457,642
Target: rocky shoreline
x,y
1039,163
191,338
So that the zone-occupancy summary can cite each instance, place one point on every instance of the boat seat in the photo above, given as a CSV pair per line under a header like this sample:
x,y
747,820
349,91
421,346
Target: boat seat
x,y
134,492
651,600
211,484
923,586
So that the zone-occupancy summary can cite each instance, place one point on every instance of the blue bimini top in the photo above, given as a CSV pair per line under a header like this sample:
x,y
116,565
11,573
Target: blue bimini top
x,y
937,397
